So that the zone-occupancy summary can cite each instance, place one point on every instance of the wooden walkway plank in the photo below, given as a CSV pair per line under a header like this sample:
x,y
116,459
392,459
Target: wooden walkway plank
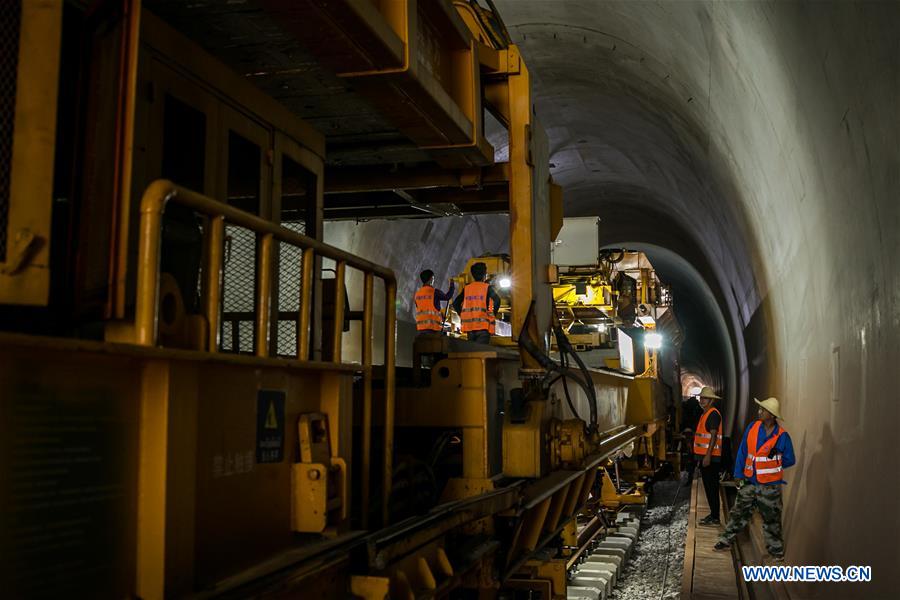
x,y
708,575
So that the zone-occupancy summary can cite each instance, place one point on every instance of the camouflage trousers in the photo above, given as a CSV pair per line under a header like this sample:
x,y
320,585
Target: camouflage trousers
x,y
767,500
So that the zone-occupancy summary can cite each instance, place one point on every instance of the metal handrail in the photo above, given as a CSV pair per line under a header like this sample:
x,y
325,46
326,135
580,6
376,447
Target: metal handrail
x,y
153,204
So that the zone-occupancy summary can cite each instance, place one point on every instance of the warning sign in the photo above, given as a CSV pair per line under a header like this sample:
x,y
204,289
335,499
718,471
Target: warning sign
x,y
269,426
271,417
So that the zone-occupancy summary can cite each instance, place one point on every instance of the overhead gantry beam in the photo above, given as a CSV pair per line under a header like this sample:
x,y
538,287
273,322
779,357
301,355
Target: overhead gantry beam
x,y
415,61
421,191
428,68
340,180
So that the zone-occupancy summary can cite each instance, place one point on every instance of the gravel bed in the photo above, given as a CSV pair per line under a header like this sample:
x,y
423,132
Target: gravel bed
x,y
660,543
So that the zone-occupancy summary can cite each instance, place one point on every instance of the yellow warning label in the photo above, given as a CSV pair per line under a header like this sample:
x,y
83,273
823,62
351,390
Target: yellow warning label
x,y
271,418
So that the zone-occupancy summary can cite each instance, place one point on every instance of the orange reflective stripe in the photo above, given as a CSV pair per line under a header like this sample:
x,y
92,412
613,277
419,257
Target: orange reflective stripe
x,y
428,318
474,313
703,437
492,319
768,470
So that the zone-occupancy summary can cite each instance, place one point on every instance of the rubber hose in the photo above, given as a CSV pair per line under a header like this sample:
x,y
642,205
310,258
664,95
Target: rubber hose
x,y
565,365
564,346
547,363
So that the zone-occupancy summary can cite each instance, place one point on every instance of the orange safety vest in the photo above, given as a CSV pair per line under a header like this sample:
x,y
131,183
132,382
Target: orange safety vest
x,y
768,470
474,315
702,436
428,318
492,320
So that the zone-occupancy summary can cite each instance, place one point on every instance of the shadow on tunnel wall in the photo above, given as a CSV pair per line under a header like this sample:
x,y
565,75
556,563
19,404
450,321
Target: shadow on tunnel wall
x,y
761,362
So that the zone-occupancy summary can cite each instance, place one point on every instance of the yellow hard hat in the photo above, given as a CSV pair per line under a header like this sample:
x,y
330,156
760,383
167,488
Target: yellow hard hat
x,y
771,405
707,392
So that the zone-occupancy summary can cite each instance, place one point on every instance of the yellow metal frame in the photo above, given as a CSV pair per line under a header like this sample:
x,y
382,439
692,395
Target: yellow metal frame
x,y
599,295
175,65
145,330
25,270
172,409
397,25
611,498
460,400
533,221
319,482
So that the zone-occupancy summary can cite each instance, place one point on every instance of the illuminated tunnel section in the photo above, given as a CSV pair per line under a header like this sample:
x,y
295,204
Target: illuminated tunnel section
x,y
758,143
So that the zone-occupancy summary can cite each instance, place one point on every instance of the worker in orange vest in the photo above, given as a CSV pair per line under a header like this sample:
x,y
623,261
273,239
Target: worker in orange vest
x,y
428,304
476,305
765,452
708,451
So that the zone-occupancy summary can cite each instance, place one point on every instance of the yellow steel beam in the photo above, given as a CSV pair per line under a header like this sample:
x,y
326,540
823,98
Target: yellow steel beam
x,y
556,210
415,61
266,275
339,310
340,180
25,270
152,479
124,159
528,201
306,304
214,264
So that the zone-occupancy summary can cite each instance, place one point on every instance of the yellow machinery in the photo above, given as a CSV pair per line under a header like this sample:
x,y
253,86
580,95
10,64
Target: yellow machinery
x,y
622,290
178,419
613,307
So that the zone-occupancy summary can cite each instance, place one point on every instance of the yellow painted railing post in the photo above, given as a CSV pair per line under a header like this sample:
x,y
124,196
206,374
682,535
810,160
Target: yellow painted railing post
x,y
215,248
265,268
368,318
338,332
146,307
306,300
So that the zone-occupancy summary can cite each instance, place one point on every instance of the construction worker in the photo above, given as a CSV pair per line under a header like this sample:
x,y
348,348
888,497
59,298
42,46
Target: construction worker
x,y
708,451
765,452
428,304
472,306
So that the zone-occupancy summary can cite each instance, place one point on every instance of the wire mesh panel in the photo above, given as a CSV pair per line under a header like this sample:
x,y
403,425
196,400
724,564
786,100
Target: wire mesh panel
x,y
10,21
239,290
290,263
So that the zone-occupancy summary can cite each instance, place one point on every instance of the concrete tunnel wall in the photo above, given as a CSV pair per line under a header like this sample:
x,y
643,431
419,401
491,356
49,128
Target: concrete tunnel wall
x,y
759,142
770,134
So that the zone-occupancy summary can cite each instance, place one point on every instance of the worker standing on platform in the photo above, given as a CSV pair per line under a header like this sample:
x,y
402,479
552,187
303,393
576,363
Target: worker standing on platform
x,y
428,304
765,452
708,452
472,306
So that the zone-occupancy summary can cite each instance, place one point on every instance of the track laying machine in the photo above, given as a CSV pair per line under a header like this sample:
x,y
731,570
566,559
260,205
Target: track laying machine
x,y
179,418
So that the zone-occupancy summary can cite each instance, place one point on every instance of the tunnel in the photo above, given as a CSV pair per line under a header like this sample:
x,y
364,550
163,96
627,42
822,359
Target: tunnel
x,y
224,372
753,151
760,143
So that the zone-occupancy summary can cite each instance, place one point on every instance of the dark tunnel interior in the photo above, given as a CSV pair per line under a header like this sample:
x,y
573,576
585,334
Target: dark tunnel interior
x,y
751,149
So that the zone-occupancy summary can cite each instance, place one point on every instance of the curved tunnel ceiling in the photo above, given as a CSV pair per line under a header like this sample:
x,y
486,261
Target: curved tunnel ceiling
x,y
759,142
630,142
